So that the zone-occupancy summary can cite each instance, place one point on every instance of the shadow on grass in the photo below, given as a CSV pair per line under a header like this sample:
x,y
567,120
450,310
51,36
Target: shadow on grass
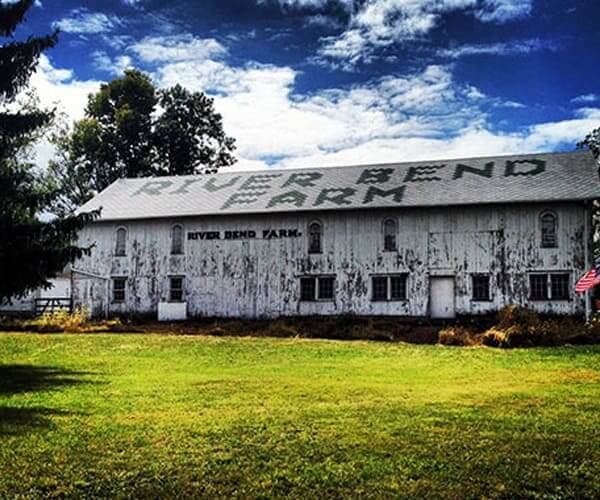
x,y
16,379
20,379
17,421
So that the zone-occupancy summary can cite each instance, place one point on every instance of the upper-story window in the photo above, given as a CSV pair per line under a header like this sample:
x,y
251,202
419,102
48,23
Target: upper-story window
x,y
390,231
315,237
121,242
176,240
549,226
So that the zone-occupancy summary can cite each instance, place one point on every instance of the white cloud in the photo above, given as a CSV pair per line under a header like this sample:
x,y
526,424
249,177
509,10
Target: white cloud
x,y
114,66
177,48
375,24
517,47
59,88
586,99
37,3
261,111
418,116
82,21
501,11
475,141
425,115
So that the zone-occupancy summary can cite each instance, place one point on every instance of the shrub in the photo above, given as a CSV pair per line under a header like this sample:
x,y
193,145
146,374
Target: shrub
x,y
62,321
521,327
591,333
459,336
72,322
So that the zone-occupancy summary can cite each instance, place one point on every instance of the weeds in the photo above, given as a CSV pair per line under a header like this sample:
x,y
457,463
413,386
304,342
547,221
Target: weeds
x,y
518,326
71,322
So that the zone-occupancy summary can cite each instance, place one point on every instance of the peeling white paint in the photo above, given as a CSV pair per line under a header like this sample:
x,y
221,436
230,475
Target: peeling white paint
x,y
260,278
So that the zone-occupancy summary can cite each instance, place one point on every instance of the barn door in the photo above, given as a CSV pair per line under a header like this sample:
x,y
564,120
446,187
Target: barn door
x,y
441,297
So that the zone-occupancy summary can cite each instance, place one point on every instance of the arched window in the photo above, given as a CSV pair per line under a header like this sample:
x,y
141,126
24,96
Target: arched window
x,y
390,231
121,241
176,240
315,234
549,226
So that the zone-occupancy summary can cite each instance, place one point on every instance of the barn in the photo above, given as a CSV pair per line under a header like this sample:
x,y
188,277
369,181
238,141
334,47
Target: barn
x,y
425,239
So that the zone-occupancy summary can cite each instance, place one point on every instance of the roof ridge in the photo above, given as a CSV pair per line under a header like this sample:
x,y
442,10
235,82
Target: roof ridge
x,y
361,165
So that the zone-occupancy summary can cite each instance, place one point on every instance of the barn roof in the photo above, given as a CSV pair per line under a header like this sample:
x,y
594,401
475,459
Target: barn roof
x,y
505,179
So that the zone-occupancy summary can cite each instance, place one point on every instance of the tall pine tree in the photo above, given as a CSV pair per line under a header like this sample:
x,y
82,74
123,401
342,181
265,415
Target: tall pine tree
x,y
31,250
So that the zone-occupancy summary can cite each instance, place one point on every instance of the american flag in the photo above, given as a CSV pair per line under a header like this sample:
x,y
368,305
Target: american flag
x,y
588,280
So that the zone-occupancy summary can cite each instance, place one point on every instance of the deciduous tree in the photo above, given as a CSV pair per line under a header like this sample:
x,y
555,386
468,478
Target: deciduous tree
x,y
130,129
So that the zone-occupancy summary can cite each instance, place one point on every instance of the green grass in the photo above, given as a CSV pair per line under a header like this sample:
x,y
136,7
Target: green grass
x,y
151,415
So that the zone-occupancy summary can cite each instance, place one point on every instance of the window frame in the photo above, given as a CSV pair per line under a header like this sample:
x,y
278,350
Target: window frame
x,y
543,243
116,248
568,295
182,240
114,280
320,286
313,288
474,287
404,297
376,297
181,289
394,246
550,288
316,285
531,287
309,232
388,287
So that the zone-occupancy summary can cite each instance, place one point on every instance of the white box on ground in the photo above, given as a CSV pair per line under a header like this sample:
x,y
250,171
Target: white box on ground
x,y
172,311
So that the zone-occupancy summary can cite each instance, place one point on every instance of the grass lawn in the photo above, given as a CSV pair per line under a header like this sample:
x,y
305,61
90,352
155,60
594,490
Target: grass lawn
x,y
154,415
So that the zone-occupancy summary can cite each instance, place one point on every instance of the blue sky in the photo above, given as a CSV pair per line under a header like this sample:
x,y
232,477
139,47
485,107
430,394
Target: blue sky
x,y
333,82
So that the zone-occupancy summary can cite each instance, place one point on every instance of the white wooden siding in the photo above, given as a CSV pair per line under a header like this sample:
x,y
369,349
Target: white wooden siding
x,y
260,278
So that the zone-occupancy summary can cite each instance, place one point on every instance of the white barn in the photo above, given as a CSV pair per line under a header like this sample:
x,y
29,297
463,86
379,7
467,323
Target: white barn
x,y
437,239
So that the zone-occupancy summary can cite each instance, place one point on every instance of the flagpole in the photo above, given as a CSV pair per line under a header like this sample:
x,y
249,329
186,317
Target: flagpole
x,y
588,215
588,311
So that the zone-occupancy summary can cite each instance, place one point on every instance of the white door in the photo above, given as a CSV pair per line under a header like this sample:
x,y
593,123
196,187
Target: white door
x,y
441,297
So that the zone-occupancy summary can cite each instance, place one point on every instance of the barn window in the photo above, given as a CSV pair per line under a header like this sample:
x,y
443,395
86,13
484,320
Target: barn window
x,y
315,236
379,288
176,240
176,289
548,225
317,288
386,288
538,287
553,286
325,286
481,287
121,242
119,285
390,230
308,287
398,287
560,286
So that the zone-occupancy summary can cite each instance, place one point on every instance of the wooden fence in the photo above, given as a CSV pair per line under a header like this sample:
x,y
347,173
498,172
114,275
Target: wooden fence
x,y
53,304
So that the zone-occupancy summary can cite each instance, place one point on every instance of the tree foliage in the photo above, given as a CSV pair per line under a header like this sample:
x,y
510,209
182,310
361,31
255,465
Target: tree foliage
x,y
31,250
188,135
131,129
592,142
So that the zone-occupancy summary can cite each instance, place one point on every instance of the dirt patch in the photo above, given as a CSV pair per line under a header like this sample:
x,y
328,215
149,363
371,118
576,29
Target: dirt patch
x,y
389,329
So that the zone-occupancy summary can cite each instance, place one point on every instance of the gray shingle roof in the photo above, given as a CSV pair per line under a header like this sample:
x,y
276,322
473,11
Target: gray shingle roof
x,y
506,179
